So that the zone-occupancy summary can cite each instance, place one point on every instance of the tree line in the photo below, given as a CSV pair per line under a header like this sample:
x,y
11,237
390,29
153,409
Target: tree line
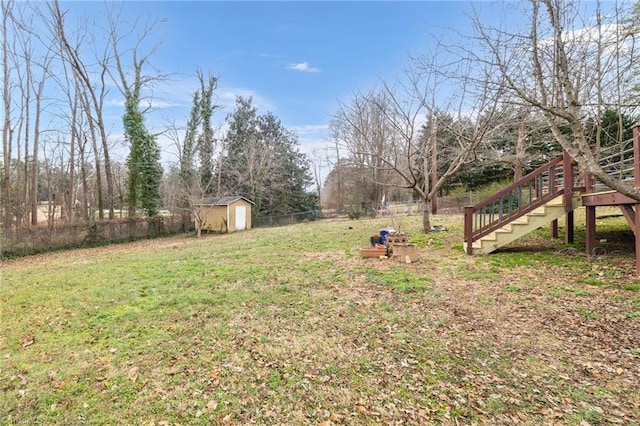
x,y
61,72
488,105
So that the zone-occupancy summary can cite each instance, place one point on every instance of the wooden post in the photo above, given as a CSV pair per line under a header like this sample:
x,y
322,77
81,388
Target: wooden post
x,y
637,237
636,171
554,228
636,156
567,164
568,232
567,199
591,229
468,229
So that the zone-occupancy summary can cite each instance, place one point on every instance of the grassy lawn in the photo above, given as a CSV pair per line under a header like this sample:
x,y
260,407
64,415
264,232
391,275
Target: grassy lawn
x,y
291,326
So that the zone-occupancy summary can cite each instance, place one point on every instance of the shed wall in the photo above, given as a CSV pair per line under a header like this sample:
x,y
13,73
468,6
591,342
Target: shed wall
x,y
214,217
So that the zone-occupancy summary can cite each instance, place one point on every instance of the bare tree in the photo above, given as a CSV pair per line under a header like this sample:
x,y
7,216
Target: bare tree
x,y
402,110
318,162
522,144
94,98
363,129
567,68
7,128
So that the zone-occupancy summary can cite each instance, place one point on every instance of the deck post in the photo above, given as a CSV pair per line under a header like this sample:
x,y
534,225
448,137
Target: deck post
x,y
569,228
554,228
567,185
637,237
636,156
590,236
568,181
636,172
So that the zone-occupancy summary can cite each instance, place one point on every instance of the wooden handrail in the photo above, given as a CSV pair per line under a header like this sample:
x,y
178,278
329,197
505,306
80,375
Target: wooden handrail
x,y
519,182
519,198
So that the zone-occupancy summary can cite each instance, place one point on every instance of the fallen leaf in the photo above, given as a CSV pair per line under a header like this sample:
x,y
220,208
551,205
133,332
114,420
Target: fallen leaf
x,y
28,341
213,374
133,374
212,405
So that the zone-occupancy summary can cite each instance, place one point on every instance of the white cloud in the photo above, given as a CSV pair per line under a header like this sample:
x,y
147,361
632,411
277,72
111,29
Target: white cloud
x,y
227,99
306,129
303,67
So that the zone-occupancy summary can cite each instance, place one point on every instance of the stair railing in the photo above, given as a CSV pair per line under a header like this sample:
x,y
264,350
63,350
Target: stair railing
x,y
521,197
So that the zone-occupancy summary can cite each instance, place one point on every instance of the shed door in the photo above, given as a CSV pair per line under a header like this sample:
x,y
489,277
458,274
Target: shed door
x,y
241,218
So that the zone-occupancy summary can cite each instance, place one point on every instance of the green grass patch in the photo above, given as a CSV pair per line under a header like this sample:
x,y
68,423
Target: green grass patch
x,y
291,326
398,278
631,287
513,288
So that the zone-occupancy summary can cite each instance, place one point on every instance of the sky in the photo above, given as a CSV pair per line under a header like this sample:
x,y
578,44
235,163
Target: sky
x,y
295,59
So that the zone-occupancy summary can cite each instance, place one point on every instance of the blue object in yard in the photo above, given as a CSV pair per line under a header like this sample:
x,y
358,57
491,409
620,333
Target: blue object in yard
x,y
383,236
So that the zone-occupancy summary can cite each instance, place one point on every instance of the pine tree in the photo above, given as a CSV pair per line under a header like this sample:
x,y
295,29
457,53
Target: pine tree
x,y
263,163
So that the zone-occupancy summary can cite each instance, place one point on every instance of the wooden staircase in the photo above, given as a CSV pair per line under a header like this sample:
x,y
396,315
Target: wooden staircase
x,y
521,226
535,200
551,191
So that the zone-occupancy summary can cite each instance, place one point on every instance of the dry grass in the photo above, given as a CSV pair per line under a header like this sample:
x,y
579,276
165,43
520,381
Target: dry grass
x,y
291,326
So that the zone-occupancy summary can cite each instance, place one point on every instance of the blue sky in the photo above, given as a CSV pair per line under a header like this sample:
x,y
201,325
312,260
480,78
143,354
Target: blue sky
x,y
296,59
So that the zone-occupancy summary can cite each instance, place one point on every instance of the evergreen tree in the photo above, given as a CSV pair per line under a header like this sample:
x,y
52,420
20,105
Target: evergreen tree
x,y
263,163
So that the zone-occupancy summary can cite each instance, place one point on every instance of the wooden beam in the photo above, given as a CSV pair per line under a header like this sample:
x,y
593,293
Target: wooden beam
x,y
630,215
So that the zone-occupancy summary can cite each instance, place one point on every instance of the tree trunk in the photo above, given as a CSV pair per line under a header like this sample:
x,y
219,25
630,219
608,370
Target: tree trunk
x,y
26,96
71,199
426,217
433,144
36,148
96,153
520,153
85,179
7,132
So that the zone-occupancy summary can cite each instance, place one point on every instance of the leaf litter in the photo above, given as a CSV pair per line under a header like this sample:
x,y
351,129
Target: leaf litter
x,y
331,346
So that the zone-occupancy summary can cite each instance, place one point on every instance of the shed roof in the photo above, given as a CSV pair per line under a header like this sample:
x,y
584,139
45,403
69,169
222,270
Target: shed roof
x,y
224,201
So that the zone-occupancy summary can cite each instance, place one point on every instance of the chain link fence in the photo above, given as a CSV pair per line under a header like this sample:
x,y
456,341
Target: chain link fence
x,y
285,219
26,241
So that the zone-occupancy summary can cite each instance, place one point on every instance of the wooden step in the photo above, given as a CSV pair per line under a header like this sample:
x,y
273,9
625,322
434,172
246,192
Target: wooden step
x,y
522,226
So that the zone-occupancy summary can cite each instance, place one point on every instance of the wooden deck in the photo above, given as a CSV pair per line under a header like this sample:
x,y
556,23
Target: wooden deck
x,y
560,177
